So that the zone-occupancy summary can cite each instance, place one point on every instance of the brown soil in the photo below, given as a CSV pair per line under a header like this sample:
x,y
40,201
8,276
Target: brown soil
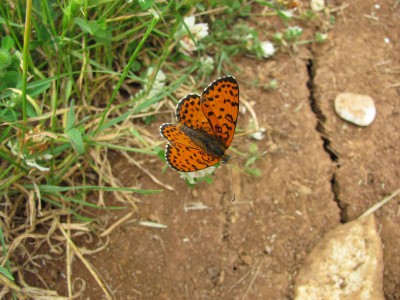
x,y
320,171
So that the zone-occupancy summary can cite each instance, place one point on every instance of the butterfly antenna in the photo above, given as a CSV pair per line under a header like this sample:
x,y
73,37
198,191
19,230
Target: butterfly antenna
x,y
262,155
233,199
231,185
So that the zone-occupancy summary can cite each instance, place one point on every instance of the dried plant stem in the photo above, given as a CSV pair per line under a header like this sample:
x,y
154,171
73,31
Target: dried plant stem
x,y
116,224
378,205
85,262
253,279
69,260
154,178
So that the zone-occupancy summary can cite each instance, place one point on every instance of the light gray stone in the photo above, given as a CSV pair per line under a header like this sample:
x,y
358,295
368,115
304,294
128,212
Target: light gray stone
x,y
355,108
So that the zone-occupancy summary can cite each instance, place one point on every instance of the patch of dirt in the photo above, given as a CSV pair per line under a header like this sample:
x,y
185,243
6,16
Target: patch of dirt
x,y
359,60
319,171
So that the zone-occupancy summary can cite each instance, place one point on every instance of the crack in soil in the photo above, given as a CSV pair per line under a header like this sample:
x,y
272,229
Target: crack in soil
x,y
321,118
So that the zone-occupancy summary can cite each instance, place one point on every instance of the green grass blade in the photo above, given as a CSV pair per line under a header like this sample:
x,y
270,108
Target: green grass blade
x,y
131,61
54,189
122,148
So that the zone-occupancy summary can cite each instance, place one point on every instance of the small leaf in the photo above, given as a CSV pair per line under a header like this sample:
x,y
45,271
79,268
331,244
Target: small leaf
x,y
253,148
253,171
75,137
7,274
96,29
160,153
70,117
136,66
5,59
145,4
83,24
250,161
7,43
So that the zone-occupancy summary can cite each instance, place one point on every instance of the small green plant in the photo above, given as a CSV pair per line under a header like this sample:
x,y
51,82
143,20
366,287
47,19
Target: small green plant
x,y
253,156
10,73
273,84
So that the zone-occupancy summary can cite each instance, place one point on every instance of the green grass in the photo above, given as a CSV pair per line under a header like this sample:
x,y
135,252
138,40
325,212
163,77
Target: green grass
x,y
81,78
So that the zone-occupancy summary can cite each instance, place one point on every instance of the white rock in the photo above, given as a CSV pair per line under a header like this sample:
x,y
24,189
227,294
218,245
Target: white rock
x,y
355,108
346,264
317,5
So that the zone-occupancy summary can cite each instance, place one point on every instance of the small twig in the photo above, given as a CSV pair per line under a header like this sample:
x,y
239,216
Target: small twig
x,y
371,17
240,280
341,8
116,224
394,85
195,206
212,11
253,279
252,113
69,259
152,224
152,177
378,205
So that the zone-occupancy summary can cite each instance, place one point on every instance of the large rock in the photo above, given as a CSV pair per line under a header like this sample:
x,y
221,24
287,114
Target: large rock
x,y
346,263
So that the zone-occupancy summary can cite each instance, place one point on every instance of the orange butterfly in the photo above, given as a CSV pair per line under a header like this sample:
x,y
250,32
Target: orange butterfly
x,y
205,128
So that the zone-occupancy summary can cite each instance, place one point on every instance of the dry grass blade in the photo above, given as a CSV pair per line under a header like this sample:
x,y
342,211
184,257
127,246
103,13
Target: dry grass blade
x,y
18,240
152,224
69,259
252,113
9,284
104,169
116,224
195,206
147,172
240,280
378,205
28,292
85,262
253,279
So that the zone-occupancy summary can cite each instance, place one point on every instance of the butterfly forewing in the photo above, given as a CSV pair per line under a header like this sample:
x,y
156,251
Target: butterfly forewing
x,y
189,113
220,105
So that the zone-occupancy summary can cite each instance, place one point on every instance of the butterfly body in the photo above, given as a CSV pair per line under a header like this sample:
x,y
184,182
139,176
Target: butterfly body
x,y
205,128
207,142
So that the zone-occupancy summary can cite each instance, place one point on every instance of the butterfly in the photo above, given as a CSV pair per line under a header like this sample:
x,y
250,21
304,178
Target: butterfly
x,y
205,128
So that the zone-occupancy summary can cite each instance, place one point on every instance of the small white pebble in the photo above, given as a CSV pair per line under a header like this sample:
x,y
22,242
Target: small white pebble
x,y
387,40
317,5
268,249
377,6
355,108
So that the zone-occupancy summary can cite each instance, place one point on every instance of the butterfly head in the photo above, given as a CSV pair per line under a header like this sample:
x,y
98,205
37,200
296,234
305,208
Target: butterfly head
x,y
225,158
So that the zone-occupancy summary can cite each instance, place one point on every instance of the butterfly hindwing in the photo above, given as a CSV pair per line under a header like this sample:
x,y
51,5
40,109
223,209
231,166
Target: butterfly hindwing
x,y
173,135
182,154
187,159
